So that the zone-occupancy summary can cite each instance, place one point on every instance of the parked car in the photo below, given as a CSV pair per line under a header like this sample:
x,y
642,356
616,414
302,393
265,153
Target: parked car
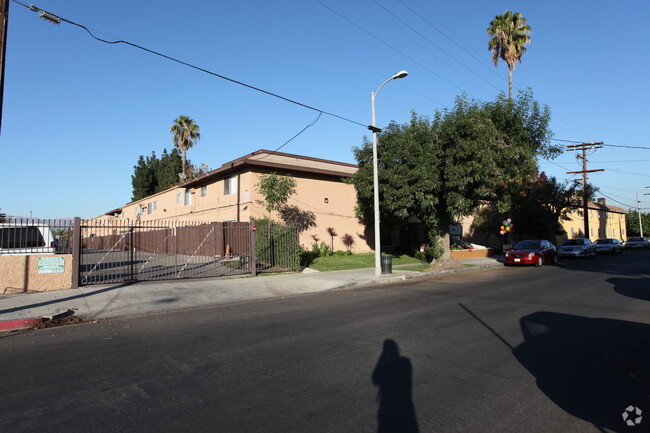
x,y
26,238
579,247
531,252
637,242
609,246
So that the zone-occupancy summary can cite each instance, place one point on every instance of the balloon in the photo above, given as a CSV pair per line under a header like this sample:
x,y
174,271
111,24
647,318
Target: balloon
x,y
502,232
507,229
509,220
502,228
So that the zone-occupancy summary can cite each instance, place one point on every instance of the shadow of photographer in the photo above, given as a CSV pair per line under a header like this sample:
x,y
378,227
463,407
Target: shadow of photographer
x,y
393,375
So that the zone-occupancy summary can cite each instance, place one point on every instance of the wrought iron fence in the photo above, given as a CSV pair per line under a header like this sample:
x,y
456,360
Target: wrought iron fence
x,y
36,236
277,247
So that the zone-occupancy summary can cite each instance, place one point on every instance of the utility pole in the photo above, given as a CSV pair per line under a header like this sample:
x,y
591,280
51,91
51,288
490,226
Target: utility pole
x,y
584,147
638,212
4,15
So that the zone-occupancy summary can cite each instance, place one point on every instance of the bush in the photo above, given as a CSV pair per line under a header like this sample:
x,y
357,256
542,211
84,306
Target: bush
x,y
423,256
277,246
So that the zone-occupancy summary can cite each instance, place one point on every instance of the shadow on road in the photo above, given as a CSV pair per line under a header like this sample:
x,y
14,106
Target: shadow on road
x,y
592,368
638,288
393,375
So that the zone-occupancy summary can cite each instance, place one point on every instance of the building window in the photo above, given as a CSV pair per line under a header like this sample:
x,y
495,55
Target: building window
x,y
229,185
591,232
572,233
188,197
204,191
138,212
179,198
149,208
155,204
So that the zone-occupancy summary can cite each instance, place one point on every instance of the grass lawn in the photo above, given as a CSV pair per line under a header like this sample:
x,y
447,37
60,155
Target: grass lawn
x,y
355,261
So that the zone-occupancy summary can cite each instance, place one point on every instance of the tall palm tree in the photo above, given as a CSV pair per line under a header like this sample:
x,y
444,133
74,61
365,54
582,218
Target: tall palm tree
x,y
510,34
186,133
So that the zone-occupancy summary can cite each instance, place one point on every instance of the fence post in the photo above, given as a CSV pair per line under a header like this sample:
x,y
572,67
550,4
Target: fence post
x,y
132,253
76,252
253,254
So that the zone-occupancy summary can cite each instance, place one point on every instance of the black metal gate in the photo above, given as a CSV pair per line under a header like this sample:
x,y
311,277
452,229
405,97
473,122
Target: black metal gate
x,y
121,251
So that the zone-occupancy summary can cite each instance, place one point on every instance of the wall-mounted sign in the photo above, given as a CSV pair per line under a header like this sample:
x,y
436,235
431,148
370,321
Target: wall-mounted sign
x,y
51,265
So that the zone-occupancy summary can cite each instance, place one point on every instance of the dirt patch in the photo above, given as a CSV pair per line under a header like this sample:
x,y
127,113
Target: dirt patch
x,y
61,321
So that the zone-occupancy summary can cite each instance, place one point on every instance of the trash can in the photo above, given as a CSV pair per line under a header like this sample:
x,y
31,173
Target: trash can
x,y
387,264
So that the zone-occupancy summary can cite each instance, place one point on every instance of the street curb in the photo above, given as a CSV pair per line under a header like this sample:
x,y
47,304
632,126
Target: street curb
x,y
15,325
417,275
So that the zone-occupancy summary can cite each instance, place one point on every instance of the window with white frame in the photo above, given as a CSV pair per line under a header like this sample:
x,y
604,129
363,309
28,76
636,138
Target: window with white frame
x,y
149,208
138,211
230,185
179,197
204,190
188,197
155,204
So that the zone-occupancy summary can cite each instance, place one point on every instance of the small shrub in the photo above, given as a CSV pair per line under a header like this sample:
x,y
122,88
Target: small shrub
x,y
342,253
348,241
423,256
324,250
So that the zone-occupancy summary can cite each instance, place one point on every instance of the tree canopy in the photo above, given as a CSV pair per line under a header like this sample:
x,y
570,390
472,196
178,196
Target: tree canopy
x,y
185,134
439,170
152,175
276,191
510,34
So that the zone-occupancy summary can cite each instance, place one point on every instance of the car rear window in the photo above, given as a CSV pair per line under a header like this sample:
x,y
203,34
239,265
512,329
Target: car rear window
x,y
573,242
604,241
21,237
635,239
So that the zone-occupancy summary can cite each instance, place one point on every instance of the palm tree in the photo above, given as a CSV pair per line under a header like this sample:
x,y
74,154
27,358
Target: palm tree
x,y
186,134
510,35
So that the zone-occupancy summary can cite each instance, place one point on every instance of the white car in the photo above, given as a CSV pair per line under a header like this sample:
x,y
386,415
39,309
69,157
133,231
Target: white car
x,y
636,242
609,246
579,247
26,238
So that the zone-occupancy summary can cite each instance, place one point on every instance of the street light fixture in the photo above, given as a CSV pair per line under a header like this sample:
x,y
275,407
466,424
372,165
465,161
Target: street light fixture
x,y
375,170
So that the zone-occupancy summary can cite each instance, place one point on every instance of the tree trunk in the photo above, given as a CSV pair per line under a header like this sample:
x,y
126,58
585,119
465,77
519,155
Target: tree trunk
x,y
509,83
184,162
445,261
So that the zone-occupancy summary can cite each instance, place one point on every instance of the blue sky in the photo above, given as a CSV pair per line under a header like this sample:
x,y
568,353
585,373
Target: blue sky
x,y
78,113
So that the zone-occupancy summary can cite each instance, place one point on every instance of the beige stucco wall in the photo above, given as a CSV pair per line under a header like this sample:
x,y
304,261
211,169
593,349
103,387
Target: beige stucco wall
x,y
311,194
19,274
602,224
332,204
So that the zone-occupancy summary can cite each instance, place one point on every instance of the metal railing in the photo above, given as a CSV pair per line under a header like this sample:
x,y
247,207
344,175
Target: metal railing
x,y
19,236
277,247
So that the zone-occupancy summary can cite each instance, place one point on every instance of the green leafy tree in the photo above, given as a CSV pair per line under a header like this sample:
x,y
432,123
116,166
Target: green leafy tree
x,y
143,179
510,34
544,203
276,191
439,171
632,223
171,164
186,133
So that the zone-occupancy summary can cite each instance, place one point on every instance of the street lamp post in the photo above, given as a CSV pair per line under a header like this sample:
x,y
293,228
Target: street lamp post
x,y
375,171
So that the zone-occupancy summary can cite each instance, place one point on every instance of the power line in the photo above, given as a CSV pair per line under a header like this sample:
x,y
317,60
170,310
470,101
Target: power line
x,y
390,46
275,95
446,35
433,43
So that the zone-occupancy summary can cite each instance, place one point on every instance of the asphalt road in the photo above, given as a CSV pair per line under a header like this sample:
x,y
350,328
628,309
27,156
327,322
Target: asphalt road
x,y
553,349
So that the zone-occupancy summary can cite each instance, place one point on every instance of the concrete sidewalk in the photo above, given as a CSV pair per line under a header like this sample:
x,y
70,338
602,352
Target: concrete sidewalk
x,y
99,302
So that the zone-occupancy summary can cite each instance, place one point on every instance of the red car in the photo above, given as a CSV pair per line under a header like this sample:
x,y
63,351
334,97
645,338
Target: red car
x,y
532,252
